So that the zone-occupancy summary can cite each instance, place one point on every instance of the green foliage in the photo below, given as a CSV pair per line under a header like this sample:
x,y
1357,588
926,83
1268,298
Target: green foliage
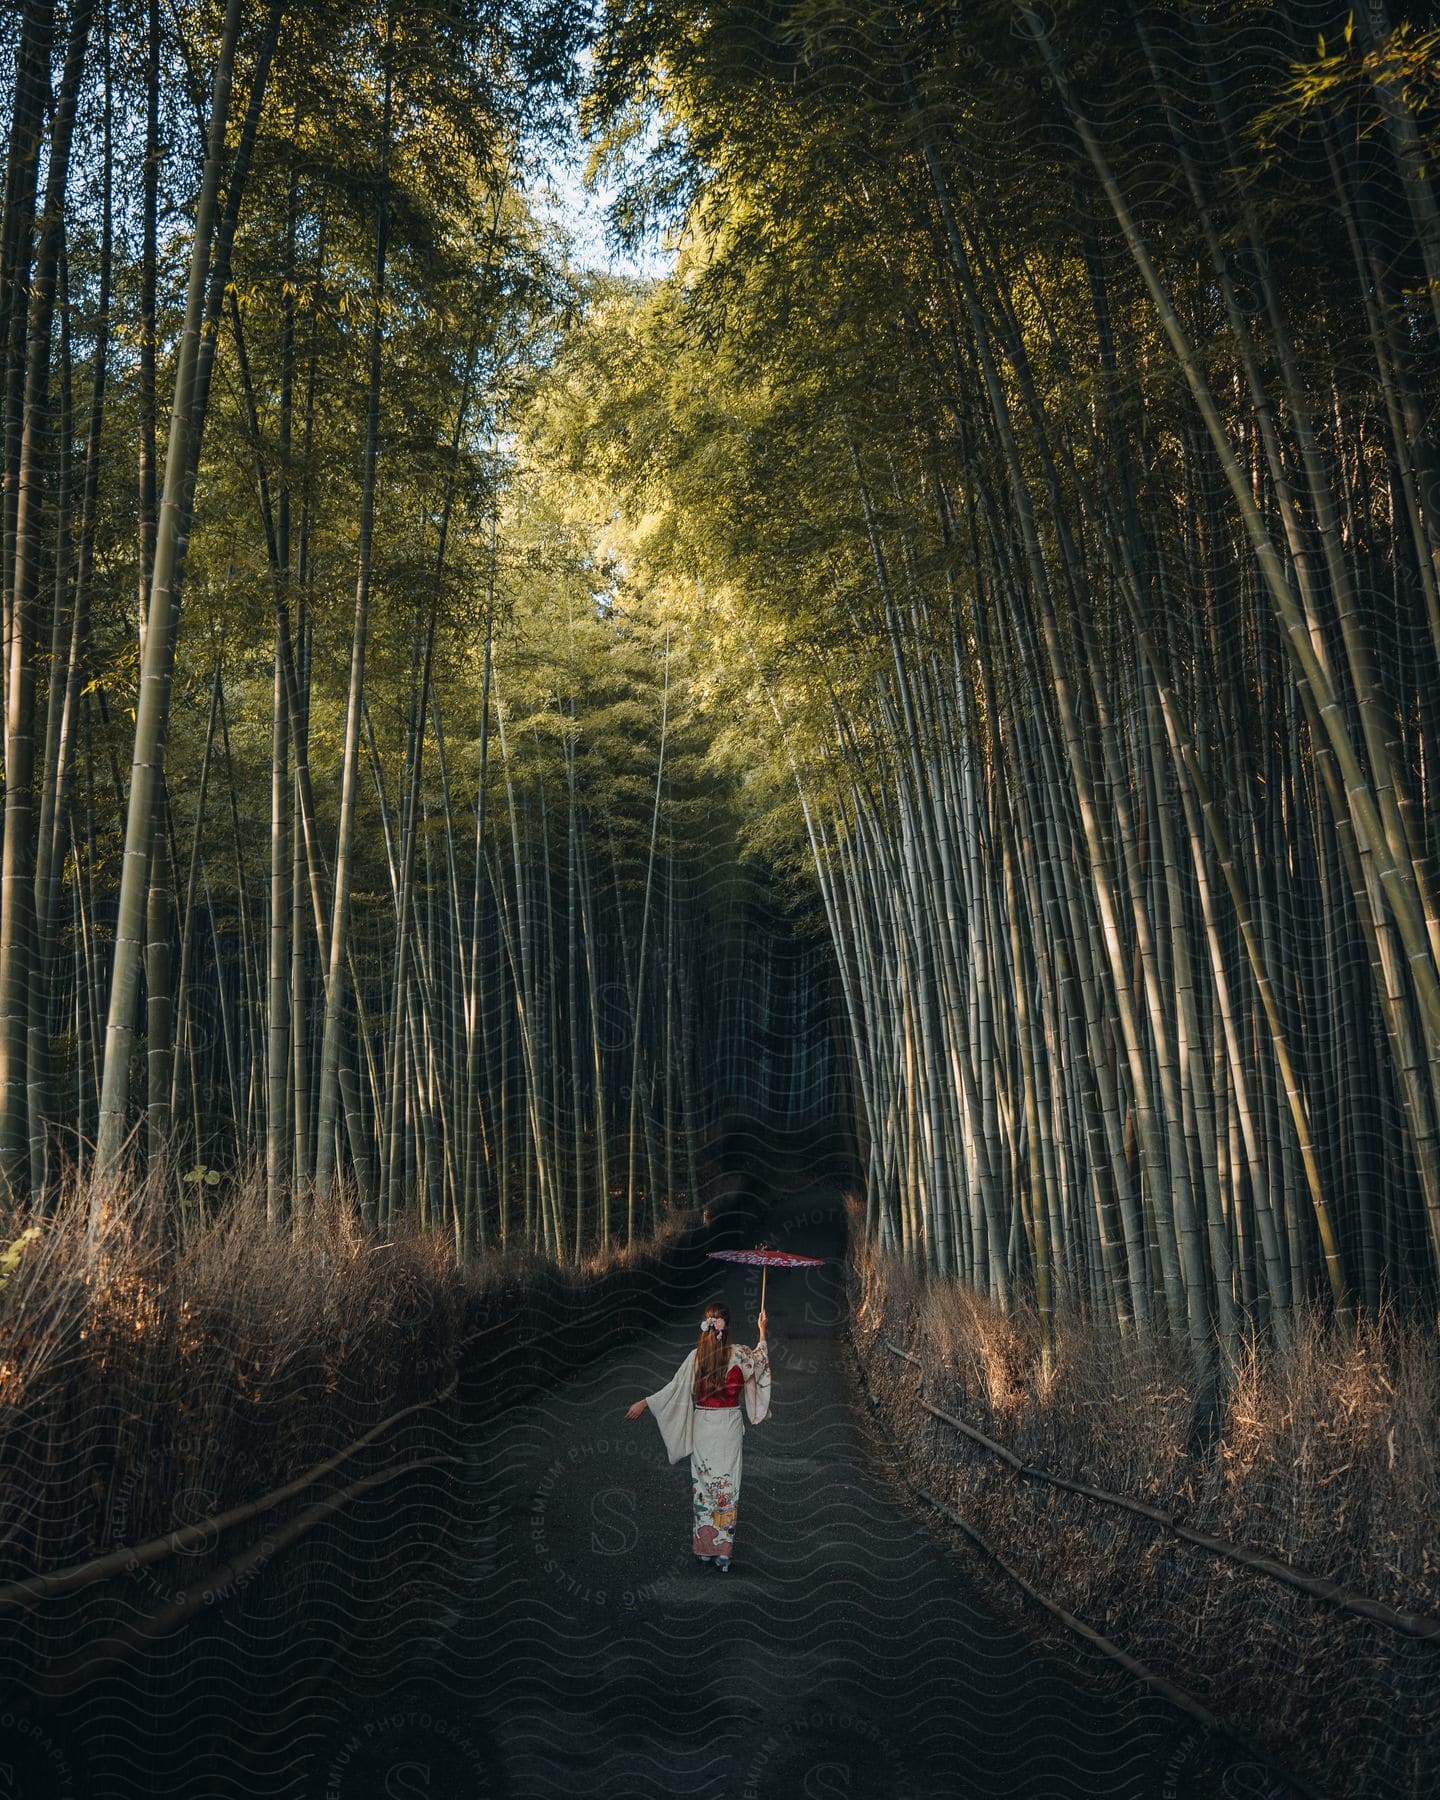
x,y
13,1253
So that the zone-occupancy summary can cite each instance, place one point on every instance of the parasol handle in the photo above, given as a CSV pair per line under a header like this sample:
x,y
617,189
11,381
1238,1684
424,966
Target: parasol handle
x,y
764,1271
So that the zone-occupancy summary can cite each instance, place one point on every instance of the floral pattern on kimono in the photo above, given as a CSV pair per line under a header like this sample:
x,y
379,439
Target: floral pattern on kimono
x,y
713,1507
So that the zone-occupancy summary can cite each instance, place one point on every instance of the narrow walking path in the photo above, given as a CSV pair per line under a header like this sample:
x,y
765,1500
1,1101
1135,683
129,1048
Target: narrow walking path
x,y
845,1654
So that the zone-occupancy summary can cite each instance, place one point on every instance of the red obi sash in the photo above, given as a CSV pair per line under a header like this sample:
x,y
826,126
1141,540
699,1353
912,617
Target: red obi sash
x,y
730,1393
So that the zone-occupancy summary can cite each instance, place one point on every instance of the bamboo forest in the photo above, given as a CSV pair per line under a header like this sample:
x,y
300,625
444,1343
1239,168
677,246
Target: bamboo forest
x,y
637,631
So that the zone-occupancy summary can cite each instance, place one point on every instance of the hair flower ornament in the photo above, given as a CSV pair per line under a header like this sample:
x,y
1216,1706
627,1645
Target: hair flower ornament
x,y
712,1324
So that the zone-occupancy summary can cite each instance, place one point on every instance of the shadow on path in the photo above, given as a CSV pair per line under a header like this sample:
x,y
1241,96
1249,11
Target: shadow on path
x,y
845,1656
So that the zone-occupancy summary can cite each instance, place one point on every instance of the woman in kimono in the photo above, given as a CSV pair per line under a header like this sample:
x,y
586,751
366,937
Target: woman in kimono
x,y
698,1412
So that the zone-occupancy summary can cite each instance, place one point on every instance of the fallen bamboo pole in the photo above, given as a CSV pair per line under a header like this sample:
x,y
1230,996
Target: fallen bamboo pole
x,y
140,1556
57,1681
1166,1688
1411,1624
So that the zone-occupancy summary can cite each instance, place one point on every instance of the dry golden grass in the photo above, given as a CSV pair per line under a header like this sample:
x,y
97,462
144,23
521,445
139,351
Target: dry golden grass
x,y
205,1356
1327,1453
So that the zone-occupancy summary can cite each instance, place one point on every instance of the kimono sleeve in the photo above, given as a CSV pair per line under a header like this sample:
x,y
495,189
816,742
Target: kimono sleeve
x,y
755,1365
673,1408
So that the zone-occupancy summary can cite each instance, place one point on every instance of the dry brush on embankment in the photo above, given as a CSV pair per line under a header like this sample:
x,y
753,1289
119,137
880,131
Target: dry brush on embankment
x,y
1325,1455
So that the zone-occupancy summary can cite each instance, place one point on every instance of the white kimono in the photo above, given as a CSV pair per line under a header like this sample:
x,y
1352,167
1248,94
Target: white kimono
x,y
712,1437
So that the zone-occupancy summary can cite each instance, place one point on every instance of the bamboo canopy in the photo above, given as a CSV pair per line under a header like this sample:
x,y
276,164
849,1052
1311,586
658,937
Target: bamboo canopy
x,y
954,665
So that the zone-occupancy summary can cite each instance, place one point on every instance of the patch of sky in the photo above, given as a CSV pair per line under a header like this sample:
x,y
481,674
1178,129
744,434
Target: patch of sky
x,y
559,194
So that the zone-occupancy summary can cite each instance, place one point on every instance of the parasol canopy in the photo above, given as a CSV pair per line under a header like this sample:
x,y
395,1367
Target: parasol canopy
x,y
772,1259
763,1257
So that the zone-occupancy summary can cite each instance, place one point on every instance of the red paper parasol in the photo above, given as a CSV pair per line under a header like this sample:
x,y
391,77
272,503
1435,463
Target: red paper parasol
x,y
763,1257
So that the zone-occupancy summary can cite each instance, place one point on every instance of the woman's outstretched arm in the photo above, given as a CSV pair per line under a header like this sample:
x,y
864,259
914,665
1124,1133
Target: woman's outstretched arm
x,y
671,1409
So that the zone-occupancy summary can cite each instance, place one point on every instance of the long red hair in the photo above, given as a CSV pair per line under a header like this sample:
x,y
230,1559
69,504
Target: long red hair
x,y
712,1355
